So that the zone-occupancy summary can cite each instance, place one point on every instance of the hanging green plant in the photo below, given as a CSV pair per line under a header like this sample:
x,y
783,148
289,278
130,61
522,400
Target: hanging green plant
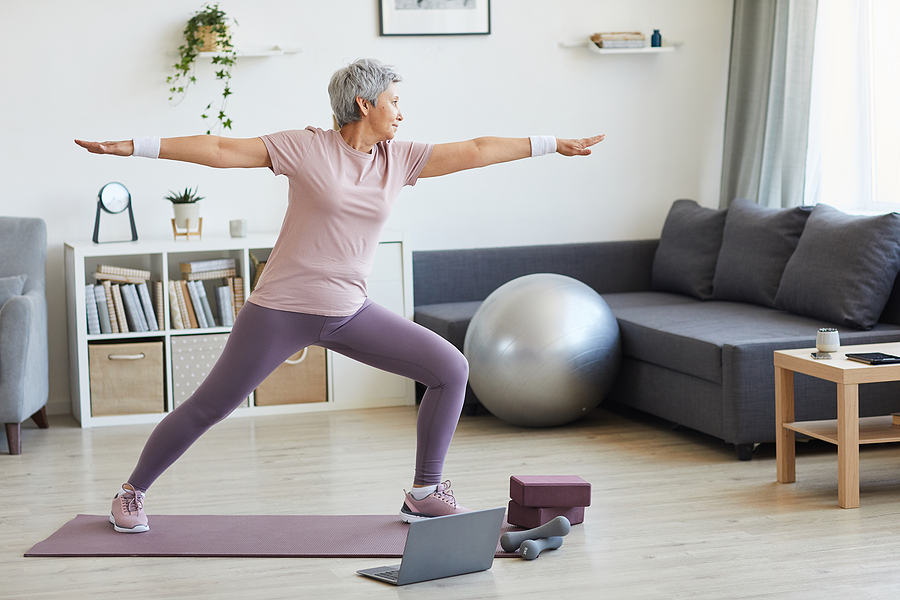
x,y
206,31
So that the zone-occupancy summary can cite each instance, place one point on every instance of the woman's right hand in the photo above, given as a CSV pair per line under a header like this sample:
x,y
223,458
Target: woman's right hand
x,y
123,148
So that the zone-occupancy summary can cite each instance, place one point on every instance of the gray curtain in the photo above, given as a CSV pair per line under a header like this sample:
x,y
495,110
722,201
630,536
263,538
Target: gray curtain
x,y
767,111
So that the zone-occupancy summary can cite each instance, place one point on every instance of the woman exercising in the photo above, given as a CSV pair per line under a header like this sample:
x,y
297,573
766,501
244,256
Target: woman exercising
x,y
313,290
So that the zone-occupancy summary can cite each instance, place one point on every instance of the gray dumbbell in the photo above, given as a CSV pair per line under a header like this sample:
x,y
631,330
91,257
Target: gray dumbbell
x,y
531,549
556,527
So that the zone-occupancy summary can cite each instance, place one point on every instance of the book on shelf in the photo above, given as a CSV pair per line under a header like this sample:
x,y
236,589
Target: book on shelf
x,y
237,293
204,303
159,294
111,307
138,306
90,304
126,307
123,272
895,419
102,309
619,39
147,306
120,309
621,44
198,307
134,313
226,306
118,278
176,307
190,313
215,264
214,274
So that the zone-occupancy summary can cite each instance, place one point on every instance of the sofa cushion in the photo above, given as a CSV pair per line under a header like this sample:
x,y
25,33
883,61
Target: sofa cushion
x,y
690,337
450,319
11,286
646,299
843,269
757,243
685,261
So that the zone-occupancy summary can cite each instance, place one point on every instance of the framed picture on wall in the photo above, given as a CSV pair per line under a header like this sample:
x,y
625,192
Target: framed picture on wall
x,y
435,17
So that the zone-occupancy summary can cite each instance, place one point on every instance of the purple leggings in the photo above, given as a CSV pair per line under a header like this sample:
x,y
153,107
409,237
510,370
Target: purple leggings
x,y
263,338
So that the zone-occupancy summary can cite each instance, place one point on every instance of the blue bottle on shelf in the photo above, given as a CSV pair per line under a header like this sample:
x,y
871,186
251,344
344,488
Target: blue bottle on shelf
x,y
656,39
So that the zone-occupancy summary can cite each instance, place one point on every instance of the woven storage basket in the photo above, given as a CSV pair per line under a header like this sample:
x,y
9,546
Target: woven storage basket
x,y
126,379
300,379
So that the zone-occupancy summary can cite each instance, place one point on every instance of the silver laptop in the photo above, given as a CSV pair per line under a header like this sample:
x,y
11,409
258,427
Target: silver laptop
x,y
445,546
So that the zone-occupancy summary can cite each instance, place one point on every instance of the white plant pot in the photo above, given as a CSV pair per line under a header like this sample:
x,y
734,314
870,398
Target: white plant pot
x,y
187,216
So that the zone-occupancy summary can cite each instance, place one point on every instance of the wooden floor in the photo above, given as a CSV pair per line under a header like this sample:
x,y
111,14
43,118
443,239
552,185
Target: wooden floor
x,y
674,514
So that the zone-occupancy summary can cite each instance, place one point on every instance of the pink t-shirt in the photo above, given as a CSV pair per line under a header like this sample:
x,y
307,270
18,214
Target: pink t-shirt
x,y
338,202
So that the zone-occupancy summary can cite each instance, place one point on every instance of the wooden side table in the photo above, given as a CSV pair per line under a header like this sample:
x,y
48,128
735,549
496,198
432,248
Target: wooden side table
x,y
848,431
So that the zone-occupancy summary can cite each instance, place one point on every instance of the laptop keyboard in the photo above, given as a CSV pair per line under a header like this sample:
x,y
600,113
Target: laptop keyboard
x,y
389,574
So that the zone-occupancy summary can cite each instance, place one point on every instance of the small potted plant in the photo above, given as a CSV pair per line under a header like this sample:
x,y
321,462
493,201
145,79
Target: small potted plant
x,y
206,31
187,213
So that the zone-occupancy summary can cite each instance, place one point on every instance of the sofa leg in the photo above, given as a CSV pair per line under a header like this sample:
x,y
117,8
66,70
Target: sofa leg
x,y
14,437
744,451
40,418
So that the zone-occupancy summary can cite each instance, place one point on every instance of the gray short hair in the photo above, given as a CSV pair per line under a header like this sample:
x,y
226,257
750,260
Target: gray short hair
x,y
366,78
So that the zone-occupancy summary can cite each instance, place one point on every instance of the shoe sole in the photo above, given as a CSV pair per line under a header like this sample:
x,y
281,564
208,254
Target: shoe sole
x,y
139,528
408,518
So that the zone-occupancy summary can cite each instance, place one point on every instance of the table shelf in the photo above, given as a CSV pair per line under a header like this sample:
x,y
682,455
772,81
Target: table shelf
x,y
872,430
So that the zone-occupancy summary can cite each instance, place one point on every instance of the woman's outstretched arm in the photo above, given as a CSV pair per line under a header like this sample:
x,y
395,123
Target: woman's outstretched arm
x,y
481,152
209,150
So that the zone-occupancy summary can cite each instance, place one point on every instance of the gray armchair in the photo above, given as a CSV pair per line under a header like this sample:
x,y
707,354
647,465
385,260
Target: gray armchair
x,y
24,373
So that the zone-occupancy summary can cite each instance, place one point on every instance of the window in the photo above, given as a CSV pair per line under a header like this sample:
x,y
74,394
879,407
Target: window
x,y
853,159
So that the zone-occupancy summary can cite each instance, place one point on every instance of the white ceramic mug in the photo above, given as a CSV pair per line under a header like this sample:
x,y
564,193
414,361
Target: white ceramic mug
x,y
828,340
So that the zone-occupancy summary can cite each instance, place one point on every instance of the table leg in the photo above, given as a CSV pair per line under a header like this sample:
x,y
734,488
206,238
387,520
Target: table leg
x,y
848,446
785,457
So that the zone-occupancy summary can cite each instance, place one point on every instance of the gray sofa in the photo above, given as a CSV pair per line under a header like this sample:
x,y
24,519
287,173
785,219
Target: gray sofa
x,y
702,309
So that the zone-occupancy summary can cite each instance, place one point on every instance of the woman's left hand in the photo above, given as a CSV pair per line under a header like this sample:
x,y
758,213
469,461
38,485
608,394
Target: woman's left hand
x,y
580,147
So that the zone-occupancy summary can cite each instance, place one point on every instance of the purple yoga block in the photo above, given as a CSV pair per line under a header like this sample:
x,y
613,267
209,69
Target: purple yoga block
x,y
530,517
550,491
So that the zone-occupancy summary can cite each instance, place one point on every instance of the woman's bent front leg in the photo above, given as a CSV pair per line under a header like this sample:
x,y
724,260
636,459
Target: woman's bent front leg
x,y
385,340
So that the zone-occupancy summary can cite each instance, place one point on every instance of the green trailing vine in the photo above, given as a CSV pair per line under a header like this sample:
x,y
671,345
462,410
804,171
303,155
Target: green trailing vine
x,y
210,18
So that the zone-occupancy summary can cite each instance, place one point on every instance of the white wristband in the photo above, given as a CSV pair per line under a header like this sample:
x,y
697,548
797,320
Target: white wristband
x,y
147,147
542,144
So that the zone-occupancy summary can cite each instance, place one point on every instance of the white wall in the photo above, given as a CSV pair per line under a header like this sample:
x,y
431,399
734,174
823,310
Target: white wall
x,y
96,70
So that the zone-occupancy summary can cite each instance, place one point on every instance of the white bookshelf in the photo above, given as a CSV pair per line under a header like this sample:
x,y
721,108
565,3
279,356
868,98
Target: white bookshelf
x,y
349,383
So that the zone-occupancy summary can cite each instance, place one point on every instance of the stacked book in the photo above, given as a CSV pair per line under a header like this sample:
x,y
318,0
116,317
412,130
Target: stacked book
x,y
121,302
619,39
191,306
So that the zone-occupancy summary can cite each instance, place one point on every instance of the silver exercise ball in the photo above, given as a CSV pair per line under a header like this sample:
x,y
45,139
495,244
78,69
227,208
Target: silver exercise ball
x,y
543,350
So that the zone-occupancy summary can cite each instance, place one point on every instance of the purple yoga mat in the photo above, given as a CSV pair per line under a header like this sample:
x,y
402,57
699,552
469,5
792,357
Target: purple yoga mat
x,y
276,536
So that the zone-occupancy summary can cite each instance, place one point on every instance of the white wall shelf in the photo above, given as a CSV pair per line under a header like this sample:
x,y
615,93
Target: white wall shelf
x,y
666,47
349,384
255,51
